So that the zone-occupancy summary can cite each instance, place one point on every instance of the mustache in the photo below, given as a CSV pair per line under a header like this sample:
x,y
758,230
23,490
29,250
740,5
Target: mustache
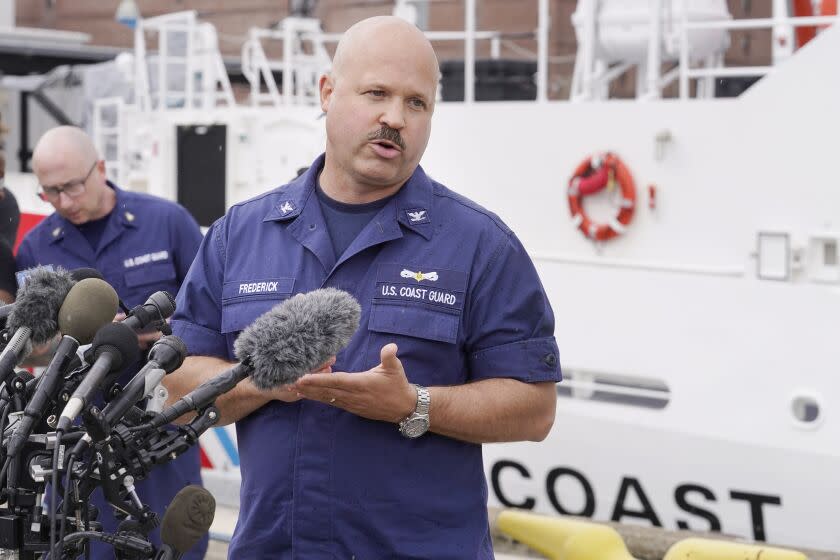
x,y
389,134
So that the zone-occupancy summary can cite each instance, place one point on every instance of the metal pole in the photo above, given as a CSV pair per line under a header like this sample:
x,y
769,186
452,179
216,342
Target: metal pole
x,y
588,47
783,39
7,14
163,90
141,73
287,62
684,93
542,50
469,52
654,63
189,62
495,48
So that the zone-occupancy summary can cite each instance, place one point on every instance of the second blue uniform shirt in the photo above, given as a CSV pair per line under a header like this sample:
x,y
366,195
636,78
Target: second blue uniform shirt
x,y
147,245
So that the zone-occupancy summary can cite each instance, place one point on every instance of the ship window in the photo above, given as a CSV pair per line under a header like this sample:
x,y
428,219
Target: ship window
x,y
823,261
830,253
629,390
806,410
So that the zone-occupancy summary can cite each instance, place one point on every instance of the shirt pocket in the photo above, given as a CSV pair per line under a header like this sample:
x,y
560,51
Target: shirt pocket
x,y
414,321
426,337
245,300
143,281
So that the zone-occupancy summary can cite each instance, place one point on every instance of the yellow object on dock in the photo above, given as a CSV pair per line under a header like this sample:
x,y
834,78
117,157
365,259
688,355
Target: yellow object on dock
x,y
708,549
563,539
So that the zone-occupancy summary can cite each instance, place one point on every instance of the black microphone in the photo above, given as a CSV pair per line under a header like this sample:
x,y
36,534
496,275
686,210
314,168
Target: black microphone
x,y
85,272
114,346
279,347
34,319
185,521
159,307
165,356
89,305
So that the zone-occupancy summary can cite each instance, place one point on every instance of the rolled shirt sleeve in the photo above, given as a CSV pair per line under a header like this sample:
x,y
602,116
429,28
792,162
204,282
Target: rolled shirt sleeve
x,y
187,240
197,318
511,322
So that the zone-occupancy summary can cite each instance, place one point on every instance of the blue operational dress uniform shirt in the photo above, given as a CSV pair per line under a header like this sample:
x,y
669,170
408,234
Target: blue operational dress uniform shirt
x,y
437,274
147,245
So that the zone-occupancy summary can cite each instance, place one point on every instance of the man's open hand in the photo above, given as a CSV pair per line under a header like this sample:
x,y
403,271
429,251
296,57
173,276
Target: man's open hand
x,y
381,393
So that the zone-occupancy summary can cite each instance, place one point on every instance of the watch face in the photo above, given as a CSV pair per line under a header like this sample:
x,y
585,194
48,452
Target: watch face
x,y
415,427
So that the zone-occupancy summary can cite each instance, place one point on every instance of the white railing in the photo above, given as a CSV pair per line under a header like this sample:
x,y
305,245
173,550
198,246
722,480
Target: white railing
x,y
300,68
259,68
107,134
195,65
686,72
672,36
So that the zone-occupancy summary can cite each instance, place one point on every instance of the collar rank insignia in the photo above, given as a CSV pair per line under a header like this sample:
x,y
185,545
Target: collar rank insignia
x,y
286,208
419,276
417,216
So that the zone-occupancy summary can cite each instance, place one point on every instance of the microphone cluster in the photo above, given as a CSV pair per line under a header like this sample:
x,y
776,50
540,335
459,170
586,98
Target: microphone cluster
x,y
73,428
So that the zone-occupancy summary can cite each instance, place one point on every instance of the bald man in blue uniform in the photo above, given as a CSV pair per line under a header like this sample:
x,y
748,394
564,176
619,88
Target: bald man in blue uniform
x,y
380,458
141,244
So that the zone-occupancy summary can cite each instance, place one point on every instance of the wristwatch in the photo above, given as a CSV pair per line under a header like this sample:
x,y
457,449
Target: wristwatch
x,y
417,423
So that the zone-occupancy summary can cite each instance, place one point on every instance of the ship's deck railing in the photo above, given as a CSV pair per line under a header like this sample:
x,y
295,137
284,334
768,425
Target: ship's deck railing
x,y
300,67
107,130
671,25
687,73
591,78
189,71
297,68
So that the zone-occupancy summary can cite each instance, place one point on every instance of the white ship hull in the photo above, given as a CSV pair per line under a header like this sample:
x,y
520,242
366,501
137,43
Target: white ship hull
x,y
700,394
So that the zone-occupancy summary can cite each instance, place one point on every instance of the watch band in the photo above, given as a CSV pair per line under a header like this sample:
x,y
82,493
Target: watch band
x,y
423,401
417,423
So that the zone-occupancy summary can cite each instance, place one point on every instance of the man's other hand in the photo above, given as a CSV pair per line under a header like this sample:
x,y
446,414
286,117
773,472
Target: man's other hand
x,y
288,393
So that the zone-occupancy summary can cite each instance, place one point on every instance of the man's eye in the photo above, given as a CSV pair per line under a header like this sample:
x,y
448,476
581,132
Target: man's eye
x,y
418,103
376,93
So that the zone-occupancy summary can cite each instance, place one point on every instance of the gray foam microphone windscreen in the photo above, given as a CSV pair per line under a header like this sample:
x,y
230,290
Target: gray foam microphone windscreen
x,y
38,302
297,335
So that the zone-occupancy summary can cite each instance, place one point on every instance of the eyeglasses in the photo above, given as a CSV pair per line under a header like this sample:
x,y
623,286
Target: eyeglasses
x,y
71,188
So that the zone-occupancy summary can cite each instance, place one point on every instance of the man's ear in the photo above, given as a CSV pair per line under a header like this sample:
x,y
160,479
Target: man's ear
x,y
100,165
326,86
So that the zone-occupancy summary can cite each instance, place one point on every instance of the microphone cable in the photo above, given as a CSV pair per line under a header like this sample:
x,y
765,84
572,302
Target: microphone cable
x,y
53,494
118,541
4,417
66,500
4,472
4,469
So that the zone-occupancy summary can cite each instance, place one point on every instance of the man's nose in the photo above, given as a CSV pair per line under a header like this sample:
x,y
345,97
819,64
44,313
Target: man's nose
x,y
64,200
394,115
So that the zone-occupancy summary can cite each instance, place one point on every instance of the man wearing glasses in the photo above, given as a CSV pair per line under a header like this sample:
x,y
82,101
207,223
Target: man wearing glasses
x,y
140,243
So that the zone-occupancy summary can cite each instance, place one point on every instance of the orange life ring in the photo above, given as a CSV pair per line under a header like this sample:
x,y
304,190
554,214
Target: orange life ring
x,y
805,8
591,176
